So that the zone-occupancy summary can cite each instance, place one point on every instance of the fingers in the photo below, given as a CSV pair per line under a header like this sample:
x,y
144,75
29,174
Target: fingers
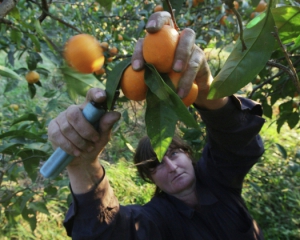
x,y
184,49
137,60
72,132
157,20
96,95
190,73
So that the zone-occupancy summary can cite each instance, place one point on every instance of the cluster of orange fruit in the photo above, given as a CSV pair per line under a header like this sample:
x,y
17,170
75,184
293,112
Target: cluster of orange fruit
x,y
261,6
85,54
228,11
158,49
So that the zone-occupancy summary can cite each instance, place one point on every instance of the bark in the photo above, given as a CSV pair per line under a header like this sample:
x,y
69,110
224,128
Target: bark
x,y
6,6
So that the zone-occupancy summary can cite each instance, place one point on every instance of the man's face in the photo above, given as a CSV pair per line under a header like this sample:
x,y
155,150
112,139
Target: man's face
x,y
175,174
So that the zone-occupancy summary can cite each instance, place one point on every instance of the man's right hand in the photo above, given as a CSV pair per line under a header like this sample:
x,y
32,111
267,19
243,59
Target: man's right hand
x,y
75,135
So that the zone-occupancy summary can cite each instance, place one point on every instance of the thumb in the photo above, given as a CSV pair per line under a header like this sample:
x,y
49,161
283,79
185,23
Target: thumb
x,y
106,124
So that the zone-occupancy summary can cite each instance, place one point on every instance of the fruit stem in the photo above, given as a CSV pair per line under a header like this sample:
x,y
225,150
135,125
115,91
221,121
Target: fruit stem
x,y
172,15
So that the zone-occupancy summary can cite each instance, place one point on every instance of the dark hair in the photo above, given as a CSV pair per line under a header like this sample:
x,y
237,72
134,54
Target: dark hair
x,y
146,160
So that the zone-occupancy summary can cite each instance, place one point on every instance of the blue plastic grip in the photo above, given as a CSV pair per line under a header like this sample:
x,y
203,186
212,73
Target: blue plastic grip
x,y
60,159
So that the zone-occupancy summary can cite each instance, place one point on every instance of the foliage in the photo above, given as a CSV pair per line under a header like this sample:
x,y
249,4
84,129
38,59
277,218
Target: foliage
x,y
32,37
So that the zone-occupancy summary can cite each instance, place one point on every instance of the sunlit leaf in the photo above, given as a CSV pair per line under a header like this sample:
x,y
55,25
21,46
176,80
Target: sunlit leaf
x,y
7,72
160,123
287,20
242,66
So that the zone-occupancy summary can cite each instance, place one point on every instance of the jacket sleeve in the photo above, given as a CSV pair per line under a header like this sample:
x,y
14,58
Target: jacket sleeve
x,y
98,215
233,141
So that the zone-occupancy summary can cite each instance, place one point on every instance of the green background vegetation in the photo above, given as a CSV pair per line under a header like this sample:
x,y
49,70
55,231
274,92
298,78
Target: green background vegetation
x,y
32,36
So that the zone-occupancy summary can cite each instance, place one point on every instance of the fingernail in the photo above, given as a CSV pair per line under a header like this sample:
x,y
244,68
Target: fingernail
x,y
77,153
180,92
178,66
151,24
99,94
136,64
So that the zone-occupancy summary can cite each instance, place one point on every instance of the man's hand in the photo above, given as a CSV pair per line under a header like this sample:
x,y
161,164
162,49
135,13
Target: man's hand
x,y
189,59
75,135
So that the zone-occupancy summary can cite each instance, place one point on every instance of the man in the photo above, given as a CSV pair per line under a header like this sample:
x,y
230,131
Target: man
x,y
192,201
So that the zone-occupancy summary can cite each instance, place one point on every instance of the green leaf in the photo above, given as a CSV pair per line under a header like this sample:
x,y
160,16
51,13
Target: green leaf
x,y
293,120
23,134
105,3
113,80
39,207
38,27
31,90
16,37
11,85
267,109
176,4
30,216
15,13
160,123
6,72
26,117
10,148
241,67
281,150
78,84
287,20
31,162
165,93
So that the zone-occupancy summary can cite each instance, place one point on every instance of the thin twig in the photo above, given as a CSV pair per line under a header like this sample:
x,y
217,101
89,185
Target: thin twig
x,y
240,23
293,73
172,15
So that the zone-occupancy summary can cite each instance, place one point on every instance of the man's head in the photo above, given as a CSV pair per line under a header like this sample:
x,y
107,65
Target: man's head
x,y
174,173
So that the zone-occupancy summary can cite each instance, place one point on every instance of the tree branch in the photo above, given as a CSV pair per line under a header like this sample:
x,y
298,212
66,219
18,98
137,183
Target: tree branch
x,y
292,71
6,6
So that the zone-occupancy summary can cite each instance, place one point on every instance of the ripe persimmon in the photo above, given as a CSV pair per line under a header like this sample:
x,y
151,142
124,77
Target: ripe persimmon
x,y
192,95
100,71
223,20
159,48
32,77
158,8
113,51
261,6
133,85
84,53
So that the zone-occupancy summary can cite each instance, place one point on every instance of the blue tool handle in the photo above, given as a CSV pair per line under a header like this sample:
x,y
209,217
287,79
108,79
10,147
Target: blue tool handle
x,y
60,159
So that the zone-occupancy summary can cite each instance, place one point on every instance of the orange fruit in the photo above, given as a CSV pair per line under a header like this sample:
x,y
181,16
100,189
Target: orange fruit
x,y
110,59
84,53
235,5
158,8
253,15
104,46
192,95
261,6
113,51
15,107
32,77
222,20
133,85
100,71
159,48
120,37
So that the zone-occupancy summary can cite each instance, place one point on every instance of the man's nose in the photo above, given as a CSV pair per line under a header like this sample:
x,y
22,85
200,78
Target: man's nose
x,y
171,166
